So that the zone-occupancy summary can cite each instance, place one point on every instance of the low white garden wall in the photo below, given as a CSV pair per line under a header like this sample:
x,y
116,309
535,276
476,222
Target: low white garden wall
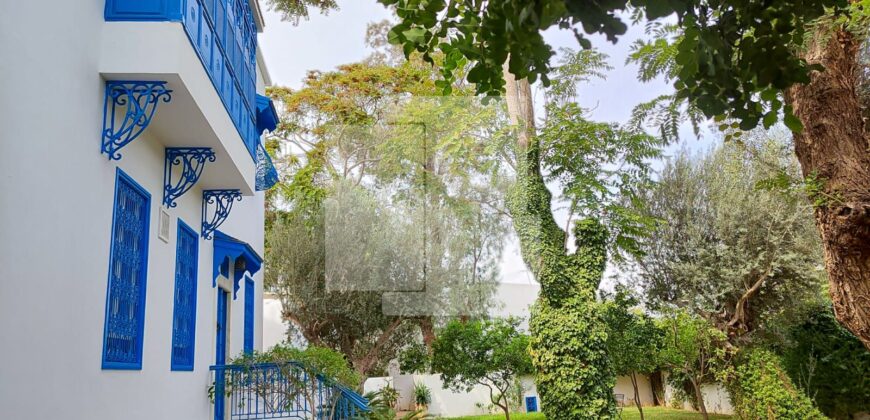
x,y
447,403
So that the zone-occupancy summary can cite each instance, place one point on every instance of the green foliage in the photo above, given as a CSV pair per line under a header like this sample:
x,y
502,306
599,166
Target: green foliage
x,y
760,389
829,364
315,360
382,407
693,349
579,154
569,351
384,188
296,10
492,353
415,358
422,394
634,341
739,255
733,58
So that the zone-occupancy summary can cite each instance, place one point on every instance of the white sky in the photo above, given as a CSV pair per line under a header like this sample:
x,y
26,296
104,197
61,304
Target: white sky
x,y
324,42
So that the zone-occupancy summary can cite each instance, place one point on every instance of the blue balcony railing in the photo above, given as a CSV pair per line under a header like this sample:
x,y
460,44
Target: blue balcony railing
x,y
285,390
224,36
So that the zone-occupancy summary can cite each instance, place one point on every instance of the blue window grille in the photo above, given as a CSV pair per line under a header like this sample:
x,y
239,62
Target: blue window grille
x,y
128,266
249,315
184,311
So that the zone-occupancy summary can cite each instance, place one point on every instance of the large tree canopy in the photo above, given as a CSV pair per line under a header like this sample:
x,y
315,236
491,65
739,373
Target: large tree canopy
x,y
728,249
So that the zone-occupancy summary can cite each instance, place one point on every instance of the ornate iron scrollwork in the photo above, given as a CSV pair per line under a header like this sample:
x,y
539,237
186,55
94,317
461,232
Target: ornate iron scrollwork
x,y
223,203
192,161
139,100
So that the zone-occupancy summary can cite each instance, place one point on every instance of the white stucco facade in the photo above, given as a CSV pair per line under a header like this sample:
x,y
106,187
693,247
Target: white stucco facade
x,y
56,214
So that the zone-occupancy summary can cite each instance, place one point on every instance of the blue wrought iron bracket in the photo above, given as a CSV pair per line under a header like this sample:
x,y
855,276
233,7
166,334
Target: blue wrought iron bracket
x,y
192,162
137,100
222,200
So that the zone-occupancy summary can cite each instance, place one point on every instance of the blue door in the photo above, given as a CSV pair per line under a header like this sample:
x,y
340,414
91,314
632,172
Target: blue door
x,y
220,353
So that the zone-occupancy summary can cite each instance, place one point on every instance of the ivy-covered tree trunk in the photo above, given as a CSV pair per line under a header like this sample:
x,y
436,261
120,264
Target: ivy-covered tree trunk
x,y
833,148
568,337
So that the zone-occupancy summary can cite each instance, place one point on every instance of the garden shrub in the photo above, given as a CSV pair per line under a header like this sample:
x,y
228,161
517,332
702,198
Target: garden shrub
x,y
829,364
761,389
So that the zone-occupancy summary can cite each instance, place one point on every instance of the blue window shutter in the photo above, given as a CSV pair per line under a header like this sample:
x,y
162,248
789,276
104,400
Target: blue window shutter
x,y
128,267
249,315
184,309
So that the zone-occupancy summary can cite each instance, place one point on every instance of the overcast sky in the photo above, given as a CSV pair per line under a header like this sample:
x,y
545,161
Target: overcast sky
x,y
324,42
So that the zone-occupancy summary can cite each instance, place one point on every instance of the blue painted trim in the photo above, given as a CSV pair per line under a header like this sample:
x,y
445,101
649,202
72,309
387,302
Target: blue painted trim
x,y
232,70
142,10
183,228
121,175
250,303
139,100
192,161
267,116
228,248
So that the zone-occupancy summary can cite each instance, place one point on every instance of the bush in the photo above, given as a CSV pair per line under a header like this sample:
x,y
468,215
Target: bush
x,y
422,394
567,343
761,389
829,364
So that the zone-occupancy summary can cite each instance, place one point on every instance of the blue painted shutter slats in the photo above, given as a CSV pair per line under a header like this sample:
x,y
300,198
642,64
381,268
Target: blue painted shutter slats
x,y
184,311
122,343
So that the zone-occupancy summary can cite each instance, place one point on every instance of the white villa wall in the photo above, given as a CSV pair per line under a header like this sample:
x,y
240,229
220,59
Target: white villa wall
x,y
56,199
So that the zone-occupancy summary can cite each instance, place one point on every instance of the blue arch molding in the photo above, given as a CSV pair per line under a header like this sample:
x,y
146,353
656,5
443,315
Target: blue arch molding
x,y
239,253
222,200
138,101
192,161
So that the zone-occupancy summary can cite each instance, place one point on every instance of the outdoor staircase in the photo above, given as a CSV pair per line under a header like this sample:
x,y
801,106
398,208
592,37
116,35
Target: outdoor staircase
x,y
282,390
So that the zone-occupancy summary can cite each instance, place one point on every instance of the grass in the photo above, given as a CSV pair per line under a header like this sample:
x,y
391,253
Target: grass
x,y
650,413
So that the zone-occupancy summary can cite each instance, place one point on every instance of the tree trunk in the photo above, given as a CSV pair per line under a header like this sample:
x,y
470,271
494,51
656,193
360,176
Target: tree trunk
x,y
833,147
573,374
636,394
696,385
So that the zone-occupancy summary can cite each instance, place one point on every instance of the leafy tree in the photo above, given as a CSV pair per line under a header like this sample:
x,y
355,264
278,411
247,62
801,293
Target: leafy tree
x,y
415,358
350,321
729,248
296,10
802,62
568,335
829,364
693,352
492,353
391,210
634,341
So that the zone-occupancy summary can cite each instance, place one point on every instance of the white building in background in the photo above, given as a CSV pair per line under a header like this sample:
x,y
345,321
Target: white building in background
x,y
131,217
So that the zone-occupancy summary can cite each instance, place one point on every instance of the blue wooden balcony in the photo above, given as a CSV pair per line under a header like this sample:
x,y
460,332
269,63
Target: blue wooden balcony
x,y
224,35
278,391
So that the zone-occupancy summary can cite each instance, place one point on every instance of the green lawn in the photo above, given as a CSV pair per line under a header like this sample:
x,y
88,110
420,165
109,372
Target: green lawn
x,y
650,413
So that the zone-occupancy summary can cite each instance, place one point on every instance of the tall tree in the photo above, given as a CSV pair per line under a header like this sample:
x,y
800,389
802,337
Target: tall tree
x,y
752,62
568,337
728,249
390,205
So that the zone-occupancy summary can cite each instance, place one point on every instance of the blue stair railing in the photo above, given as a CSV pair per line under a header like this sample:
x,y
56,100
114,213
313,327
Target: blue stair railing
x,y
283,390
